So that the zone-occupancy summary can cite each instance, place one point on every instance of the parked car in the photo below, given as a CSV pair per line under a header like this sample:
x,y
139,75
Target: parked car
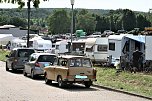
x,y
121,31
108,32
17,58
69,69
37,62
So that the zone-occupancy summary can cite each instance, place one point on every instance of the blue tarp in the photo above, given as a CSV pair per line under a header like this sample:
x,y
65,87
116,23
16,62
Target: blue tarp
x,y
139,38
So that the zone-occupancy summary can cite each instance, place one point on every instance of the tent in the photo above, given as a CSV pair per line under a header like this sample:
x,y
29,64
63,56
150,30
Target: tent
x,y
5,38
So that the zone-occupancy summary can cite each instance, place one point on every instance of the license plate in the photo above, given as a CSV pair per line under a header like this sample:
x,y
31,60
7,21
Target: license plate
x,y
80,77
46,64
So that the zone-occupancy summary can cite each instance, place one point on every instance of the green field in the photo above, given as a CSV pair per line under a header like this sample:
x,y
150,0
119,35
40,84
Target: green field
x,y
3,53
138,83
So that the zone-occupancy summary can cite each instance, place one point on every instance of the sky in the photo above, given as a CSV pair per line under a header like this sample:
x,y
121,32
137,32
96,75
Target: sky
x,y
135,5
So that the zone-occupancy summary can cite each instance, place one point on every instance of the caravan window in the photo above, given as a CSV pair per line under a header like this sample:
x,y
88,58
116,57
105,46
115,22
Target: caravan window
x,y
89,49
112,46
40,45
102,48
57,46
67,46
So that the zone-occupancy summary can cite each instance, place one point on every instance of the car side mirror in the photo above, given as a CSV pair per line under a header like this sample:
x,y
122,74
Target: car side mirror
x,y
7,56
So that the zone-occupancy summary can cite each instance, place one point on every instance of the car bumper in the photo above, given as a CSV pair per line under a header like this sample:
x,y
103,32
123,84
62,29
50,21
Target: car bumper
x,y
78,80
38,71
19,67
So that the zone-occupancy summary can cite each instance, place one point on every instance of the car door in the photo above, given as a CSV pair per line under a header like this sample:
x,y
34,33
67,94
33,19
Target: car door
x,y
51,70
30,64
11,58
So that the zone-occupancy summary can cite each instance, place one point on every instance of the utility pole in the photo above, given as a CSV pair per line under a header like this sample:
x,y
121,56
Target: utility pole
x,y
150,12
28,33
72,4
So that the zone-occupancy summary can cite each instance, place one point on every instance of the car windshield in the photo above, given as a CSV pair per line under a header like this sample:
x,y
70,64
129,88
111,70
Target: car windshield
x,y
80,63
46,58
25,52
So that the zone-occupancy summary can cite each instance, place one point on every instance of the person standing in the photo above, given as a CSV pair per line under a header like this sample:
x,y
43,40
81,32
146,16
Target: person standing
x,y
136,57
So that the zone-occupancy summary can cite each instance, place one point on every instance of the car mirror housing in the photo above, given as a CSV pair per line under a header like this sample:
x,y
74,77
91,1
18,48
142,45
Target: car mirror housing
x,y
6,56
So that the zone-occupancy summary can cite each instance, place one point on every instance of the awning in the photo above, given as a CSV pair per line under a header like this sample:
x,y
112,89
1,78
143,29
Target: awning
x,y
139,38
87,46
90,42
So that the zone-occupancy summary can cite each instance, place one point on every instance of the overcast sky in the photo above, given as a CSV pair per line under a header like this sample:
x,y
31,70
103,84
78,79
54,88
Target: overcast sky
x,y
135,5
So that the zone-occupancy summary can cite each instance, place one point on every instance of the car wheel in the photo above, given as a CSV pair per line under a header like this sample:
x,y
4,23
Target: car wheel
x,y
7,69
47,81
24,73
60,82
88,84
32,74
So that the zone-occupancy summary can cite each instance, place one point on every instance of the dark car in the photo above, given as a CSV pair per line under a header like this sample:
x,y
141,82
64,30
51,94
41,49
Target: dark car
x,y
17,58
37,62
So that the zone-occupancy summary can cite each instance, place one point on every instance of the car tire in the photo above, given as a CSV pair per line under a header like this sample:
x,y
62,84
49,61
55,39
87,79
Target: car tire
x,y
60,82
24,73
47,81
88,84
7,69
32,74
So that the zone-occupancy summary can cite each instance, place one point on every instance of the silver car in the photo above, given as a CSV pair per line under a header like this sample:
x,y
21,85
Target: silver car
x,y
36,63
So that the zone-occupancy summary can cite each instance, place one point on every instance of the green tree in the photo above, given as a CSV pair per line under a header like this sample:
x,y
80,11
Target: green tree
x,y
129,19
86,22
142,22
21,3
4,20
18,22
59,22
102,23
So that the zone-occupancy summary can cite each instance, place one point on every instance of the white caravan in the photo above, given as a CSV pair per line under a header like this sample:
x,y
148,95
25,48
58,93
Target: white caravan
x,y
16,42
125,45
61,47
148,55
96,49
42,45
148,48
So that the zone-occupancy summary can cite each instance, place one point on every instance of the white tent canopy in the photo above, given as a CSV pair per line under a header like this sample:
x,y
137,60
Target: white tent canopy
x,y
5,38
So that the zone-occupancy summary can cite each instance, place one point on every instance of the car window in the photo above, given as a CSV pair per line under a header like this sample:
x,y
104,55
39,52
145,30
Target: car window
x,y
25,52
86,63
62,62
46,58
75,63
32,58
80,63
55,61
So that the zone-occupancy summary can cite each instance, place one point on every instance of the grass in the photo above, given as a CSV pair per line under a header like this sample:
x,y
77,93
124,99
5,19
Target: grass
x,y
3,53
138,83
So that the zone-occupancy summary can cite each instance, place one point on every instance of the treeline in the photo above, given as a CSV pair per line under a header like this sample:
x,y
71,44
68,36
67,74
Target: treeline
x,y
59,20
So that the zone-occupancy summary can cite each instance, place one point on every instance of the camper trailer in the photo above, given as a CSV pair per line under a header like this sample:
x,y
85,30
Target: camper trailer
x,y
42,45
61,47
148,49
16,43
96,49
78,46
148,55
124,45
